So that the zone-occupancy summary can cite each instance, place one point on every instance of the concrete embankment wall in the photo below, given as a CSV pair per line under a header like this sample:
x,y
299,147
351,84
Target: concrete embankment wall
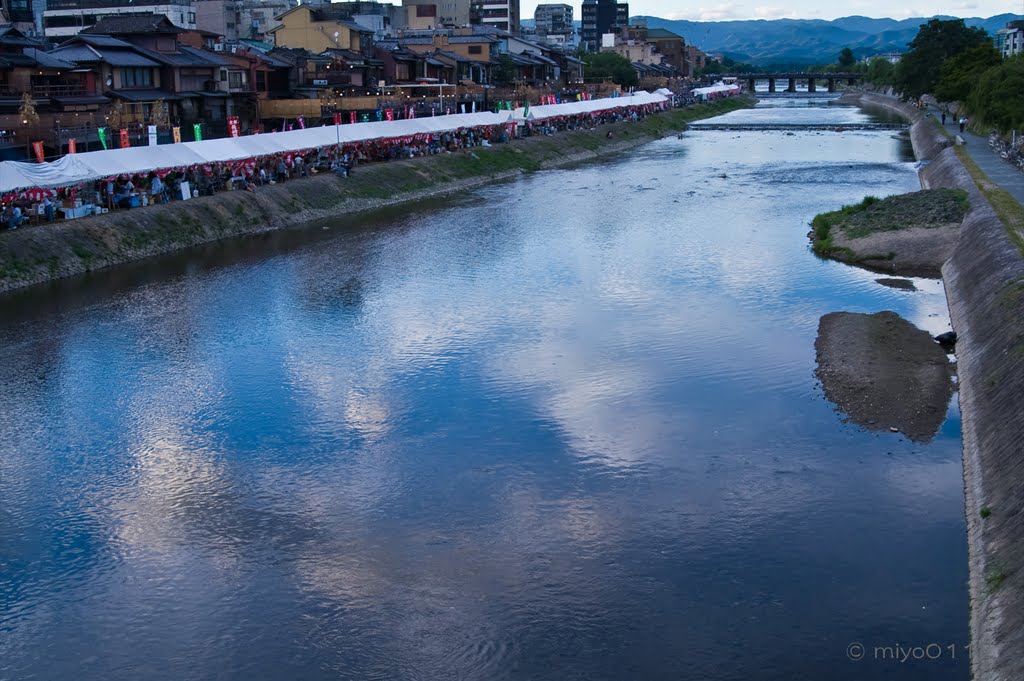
x,y
984,282
38,254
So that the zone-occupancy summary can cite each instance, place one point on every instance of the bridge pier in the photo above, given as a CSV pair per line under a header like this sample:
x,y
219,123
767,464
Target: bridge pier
x,y
811,86
750,84
831,84
791,85
771,85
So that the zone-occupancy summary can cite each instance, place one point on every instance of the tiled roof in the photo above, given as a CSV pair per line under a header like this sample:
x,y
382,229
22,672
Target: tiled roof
x,y
47,60
99,40
133,23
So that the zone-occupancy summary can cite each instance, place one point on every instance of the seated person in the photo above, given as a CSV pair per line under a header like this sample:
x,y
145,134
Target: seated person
x,y
49,209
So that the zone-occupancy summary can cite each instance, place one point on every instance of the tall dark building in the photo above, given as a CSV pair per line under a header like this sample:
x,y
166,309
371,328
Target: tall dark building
x,y
600,17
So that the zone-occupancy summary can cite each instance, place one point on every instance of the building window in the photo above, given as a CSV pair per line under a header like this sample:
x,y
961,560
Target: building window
x,y
475,49
235,79
136,77
191,17
261,81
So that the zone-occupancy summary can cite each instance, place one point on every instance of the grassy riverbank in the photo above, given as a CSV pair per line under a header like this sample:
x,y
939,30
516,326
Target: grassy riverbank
x,y
907,234
41,253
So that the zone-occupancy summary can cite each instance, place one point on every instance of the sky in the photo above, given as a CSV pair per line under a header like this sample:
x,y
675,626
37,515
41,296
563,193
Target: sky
x,y
710,10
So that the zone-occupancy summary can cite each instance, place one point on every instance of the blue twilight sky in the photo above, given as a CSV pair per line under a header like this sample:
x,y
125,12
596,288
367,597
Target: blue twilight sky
x,y
710,10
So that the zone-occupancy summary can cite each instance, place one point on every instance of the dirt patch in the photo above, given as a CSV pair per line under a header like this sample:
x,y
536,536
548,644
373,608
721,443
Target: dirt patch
x,y
884,373
911,234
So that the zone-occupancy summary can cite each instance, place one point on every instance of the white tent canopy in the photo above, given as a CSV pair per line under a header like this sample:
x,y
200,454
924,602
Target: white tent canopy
x,y
96,165
587,106
723,88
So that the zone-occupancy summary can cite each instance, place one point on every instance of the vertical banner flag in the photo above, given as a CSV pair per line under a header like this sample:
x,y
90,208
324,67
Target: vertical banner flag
x,y
463,105
412,112
351,116
176,131
102,132
233,126
72,146
526,110
337,118
125,142
302,122
474,107
152,135
197,132
389,114
380,115
38,148
364,118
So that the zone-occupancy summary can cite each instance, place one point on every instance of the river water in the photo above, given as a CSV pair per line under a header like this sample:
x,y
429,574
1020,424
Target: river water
x,y
565,427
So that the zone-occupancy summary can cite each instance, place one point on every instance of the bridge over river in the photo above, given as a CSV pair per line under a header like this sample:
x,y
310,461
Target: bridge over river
x,y
793,78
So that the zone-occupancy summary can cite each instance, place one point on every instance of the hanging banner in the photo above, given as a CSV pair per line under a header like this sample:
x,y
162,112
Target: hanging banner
x,y
337,118
351,116
152,135
38,148
197,132
233,126
474,107
389,114
176,131
125,142
102,132
463,105
380,115
302,123
72,146
364,118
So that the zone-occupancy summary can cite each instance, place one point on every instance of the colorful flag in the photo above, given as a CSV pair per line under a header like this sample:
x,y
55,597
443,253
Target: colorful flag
x,y
302,122
72,146
389,114
337,118
176,131
526,110
102,132
233,126
152,135
197,132
38,148
380,115
364,118
125,143
352,116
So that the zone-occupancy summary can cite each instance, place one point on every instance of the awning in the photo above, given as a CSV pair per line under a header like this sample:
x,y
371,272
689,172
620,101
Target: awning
x,y
80,100
144,95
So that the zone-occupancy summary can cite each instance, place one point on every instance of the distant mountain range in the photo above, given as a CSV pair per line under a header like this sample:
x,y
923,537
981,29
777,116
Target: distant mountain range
x,y
805,41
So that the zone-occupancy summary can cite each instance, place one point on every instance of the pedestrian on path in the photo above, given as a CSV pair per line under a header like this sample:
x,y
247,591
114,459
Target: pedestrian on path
x,y
963,122
943,119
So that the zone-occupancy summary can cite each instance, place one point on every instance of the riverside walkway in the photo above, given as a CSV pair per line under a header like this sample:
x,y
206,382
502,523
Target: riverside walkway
x,y
996,169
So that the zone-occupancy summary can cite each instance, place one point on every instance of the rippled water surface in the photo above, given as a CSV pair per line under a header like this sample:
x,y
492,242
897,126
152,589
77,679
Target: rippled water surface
x,y
565,427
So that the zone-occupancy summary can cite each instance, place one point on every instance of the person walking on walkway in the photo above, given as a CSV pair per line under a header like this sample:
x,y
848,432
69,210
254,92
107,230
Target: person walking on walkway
x,y
963,123
943,119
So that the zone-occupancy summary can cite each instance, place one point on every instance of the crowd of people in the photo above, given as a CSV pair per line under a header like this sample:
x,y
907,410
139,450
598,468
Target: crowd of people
x,y
127,192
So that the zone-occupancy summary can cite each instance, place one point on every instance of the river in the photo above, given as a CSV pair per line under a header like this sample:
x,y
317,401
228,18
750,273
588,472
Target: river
x,y
564,427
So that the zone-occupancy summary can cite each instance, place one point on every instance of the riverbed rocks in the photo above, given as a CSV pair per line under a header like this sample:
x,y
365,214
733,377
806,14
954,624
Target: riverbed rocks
x,y
884,373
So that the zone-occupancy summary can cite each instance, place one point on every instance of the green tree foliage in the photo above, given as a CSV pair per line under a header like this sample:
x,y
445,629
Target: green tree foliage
x,y
602,65
997,99
880,72
935,42
846,58
726,65
503,71
960,73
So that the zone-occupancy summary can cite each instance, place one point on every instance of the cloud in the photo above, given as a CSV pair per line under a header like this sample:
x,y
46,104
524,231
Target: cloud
x,y
772,12
967,5
720,12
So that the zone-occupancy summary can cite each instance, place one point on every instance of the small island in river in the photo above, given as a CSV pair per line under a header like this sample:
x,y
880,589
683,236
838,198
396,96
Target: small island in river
x,y
909,234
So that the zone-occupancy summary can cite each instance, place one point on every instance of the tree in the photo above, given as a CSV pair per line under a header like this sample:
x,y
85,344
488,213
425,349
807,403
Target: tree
x,y
960,73
503,71
846,58
880,72
938,40
998,98
601,65
27,111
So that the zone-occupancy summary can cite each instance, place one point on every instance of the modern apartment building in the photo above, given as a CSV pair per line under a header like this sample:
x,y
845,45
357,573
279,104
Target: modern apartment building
x,y
500,14
69,17
553,19
240,19
601,17
1010,40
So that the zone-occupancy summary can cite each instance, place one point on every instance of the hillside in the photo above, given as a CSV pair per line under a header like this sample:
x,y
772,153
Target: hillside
x,y
805,41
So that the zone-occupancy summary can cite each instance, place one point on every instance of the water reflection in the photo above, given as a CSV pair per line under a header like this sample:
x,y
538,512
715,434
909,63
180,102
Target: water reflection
x,y
567,427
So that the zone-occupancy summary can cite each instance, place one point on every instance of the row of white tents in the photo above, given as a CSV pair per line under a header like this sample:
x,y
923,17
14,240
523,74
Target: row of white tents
x,y
90,166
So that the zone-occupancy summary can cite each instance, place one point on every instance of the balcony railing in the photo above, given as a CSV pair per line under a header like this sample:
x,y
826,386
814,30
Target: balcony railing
x,y
45,91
